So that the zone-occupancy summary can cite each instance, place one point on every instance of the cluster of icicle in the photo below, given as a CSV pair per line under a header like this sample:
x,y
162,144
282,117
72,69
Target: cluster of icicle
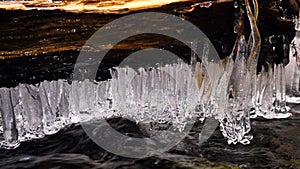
x,y
164,94
172,93
242,93
250,93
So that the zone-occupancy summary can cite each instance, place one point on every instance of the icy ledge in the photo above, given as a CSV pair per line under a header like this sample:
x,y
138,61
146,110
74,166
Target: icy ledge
x,y
164,94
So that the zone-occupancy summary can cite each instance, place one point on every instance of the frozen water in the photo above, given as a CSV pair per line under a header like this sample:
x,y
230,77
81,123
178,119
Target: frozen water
x,y
292,69
280,108
167,94
235,123
271,102
10,132
292,72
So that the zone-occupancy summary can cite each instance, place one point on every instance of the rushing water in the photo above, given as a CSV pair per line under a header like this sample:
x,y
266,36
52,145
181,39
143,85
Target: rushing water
x,y
275,145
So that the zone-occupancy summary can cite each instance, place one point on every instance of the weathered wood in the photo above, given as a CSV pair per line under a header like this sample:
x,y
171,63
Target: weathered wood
x,y
33,32
43,36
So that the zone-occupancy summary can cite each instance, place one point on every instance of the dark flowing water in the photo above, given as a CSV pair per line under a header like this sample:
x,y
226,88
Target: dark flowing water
x,y
276,144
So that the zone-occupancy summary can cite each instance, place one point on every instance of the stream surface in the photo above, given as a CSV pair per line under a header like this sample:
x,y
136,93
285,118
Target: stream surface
x,y
276,144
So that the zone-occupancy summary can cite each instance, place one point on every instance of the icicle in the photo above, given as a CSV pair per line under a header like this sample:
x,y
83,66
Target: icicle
x,y
10,132
280,109
32,110
292,69
49,96
235,124
18,111
266,94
